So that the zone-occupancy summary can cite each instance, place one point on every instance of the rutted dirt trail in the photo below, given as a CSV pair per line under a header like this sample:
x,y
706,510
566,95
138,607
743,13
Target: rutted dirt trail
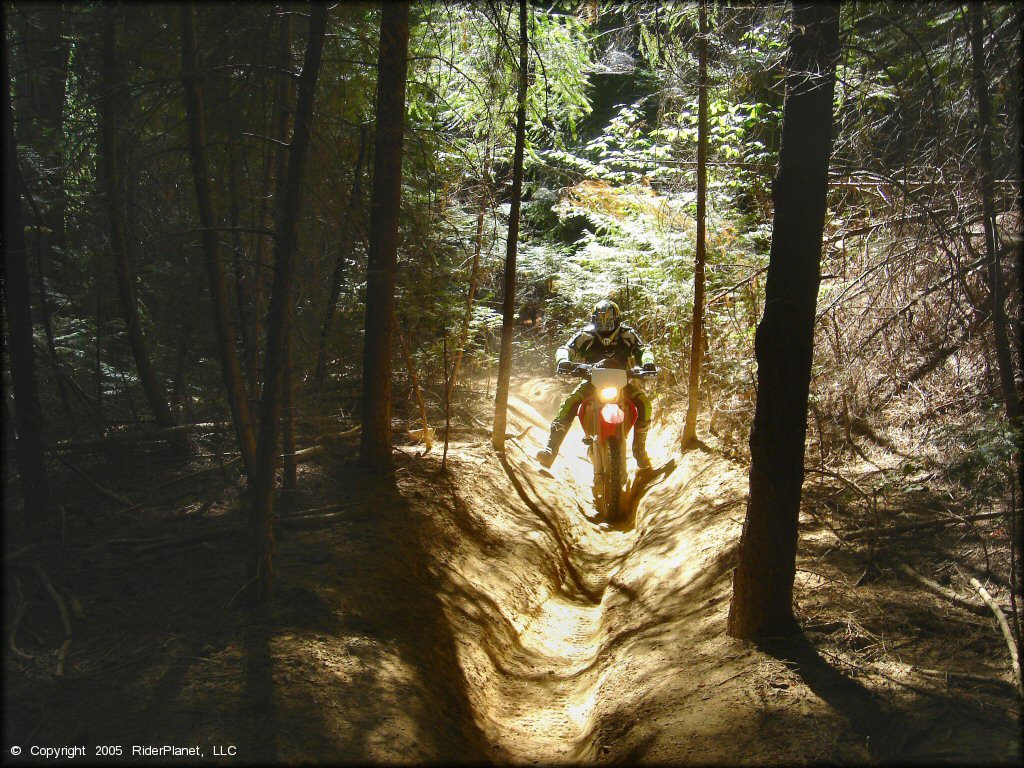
x,y
588,646
477,615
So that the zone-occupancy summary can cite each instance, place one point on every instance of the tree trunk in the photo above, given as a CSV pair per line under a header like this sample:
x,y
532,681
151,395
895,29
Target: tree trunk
x,y
339,269
290,473
697,335
111,105
1000,326
508,308
762,600
244,276
42,88
231,369
474,280
279,315
428,441
392,66
28,415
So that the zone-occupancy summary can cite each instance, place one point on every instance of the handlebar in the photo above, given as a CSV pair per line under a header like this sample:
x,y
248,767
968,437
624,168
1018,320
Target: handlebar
x,y
582,371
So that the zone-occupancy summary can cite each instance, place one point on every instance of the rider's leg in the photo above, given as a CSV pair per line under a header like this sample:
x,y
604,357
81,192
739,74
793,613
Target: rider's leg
x,y
642,426
562,422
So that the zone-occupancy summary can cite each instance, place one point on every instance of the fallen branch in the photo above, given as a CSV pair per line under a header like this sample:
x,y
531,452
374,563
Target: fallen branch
x,y
948,594
65,620
921,525
106,492
966,676
1007,634
129,436
19,611
322,443
320,514
308,454
333,436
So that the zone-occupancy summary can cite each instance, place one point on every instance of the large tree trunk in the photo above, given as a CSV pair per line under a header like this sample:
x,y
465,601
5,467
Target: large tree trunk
x,y
997,293
231,369
762,601
111,105
28,415
508,308
278,318
697,337
392,65
42,90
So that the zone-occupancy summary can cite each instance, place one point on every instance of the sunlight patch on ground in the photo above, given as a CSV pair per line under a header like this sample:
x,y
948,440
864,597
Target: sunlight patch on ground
x,y
564,629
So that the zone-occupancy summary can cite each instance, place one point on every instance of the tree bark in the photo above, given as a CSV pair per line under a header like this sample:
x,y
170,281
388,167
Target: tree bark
x,y
28,415
762,600
508,308
1000,327
231,369
279,315
42,88
392,66
111,102
697,335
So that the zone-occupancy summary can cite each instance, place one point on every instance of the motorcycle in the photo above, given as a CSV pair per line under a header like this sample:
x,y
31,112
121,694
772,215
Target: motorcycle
x,y
607,417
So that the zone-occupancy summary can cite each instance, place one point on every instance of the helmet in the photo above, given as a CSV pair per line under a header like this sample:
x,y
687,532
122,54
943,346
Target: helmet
x,y
606,319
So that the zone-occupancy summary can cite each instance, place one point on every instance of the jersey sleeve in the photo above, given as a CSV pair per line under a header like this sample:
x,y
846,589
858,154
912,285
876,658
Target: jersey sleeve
x,y
572,348
639,352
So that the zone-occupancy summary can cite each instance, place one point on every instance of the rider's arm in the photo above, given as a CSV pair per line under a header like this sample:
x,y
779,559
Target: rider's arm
x,y
571,349
642,354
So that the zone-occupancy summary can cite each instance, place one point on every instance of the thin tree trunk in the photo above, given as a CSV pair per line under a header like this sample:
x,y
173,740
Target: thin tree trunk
x,y
762,600
111,103
474,281
28,415
231,369
1004,356
509,304
697,336
244,275
386,197
428,441
290,473
339,269
45,312
278,318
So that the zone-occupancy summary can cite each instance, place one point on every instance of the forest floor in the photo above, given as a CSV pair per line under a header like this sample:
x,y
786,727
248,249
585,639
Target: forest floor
x,y
476,615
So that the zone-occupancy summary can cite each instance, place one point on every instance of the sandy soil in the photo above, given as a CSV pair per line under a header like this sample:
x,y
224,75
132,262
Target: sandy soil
x,y
478,616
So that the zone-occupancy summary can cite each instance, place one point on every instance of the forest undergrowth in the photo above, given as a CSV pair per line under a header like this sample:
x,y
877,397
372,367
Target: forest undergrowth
x,y
474,614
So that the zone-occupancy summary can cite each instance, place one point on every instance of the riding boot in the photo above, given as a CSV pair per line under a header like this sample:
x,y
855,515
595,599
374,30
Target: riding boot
x,y
546,456
643,461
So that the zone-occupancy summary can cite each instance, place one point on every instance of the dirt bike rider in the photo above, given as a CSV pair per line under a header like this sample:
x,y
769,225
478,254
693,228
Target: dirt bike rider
x,y
606,338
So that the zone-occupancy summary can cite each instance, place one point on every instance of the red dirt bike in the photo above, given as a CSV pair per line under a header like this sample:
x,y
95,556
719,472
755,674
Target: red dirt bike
x,y
607,417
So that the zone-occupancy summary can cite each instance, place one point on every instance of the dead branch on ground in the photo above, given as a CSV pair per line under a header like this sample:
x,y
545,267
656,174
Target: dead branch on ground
x,y
934,586
1007,634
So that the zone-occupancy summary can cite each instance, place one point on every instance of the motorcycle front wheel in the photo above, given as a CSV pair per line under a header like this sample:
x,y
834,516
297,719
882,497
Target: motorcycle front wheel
x,y
614,477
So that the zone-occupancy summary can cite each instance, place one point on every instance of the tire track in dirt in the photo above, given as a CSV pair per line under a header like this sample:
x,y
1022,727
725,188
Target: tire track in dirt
x,y
545,696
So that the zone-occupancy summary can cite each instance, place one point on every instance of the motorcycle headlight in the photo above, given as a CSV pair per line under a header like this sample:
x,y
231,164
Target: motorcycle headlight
x,y
608,394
